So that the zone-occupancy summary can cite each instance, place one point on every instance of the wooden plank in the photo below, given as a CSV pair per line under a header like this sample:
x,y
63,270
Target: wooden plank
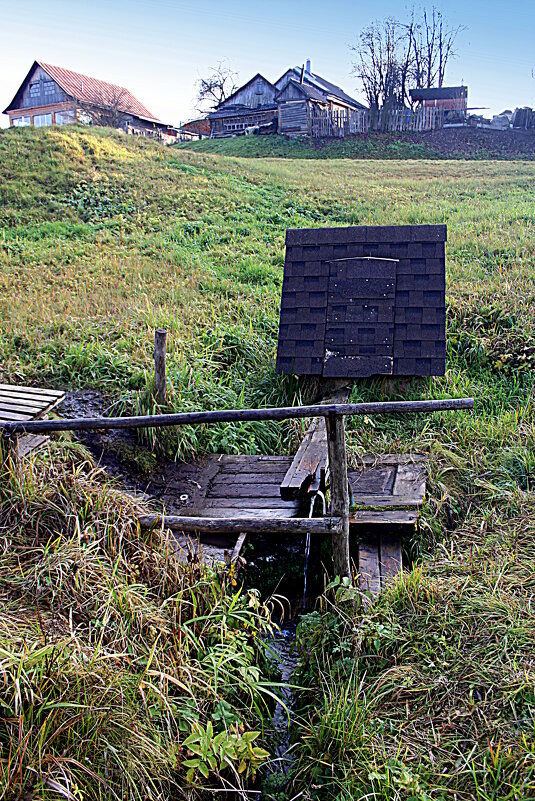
x,y
13,416
30,443
22,408
369,571
239,512
264,468
31,393
236,490
386,501
309,463
373,480
388,459
384,518
227,459
17,401
410,482
310,457
249,479
256,503
252,525
390,557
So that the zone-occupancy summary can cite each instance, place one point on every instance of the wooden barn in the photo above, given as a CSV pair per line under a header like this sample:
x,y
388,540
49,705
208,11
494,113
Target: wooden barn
x,y
286,106
52,95
452,100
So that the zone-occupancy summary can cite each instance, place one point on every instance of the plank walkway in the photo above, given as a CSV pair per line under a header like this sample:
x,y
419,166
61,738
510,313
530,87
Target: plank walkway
x,y
386,494
23,404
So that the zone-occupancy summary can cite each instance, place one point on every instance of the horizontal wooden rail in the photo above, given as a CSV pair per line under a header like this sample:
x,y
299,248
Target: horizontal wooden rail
x,y
236,416
251,525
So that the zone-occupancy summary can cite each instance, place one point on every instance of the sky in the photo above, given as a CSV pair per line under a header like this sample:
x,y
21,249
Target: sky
x,y
159,49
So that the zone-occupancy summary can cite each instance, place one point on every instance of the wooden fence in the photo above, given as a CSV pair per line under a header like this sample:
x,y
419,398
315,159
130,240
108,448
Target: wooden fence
x,y
341,123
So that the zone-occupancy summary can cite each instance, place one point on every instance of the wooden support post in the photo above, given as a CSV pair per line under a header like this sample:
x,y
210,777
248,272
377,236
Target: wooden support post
x,y
336,443
160,347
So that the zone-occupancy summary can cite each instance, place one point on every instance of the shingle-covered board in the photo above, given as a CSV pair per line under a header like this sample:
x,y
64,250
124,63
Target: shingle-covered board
x,y
374,328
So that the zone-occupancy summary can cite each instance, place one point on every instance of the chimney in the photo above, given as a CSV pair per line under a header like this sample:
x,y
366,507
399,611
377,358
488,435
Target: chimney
x,y
308,66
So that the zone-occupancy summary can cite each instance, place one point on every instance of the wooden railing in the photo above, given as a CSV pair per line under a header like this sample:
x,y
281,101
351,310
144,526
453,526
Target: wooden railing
x,y
337,524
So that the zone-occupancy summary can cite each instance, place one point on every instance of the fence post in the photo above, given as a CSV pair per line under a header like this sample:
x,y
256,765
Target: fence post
x,y
336,443
160,348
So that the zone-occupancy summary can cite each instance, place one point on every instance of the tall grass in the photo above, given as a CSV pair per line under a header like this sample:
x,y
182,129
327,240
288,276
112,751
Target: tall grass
x,y
116,658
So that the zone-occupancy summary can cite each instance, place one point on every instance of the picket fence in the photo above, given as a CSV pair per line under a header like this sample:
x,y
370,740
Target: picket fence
x,y
340,123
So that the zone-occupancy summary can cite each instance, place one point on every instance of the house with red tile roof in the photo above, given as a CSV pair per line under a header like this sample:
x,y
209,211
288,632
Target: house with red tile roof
x,y
52,95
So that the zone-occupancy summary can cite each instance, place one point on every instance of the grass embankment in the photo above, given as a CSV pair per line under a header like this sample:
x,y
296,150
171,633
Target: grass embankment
x,y
430,694
117,662
446,143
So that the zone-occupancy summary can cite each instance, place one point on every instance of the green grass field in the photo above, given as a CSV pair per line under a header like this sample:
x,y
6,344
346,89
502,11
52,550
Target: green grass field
x,y
430,694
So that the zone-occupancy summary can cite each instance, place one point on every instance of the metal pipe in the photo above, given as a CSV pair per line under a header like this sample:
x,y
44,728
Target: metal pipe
x,y
236,415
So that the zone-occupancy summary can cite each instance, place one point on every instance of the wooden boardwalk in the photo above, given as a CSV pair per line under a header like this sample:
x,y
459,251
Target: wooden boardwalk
x,y
23,404
386,495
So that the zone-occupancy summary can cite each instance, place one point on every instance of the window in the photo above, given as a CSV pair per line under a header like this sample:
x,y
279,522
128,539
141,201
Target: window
x,y
42,120
49,87
65,117
35,89
20,122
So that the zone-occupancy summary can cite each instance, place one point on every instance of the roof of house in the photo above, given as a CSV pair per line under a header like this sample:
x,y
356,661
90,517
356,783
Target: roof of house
x,y
245,85
89,90
309,91
324,86
439,93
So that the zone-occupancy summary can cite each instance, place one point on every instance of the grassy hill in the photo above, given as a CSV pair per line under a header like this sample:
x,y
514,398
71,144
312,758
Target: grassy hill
x,y
430,694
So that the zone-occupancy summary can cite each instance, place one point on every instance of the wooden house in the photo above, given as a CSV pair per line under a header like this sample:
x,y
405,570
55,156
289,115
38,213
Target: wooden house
x,y
286,106
302,94
452,100
253,104
52,95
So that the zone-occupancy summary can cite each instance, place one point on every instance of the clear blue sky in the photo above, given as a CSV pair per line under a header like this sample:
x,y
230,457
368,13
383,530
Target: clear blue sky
x,y
160,48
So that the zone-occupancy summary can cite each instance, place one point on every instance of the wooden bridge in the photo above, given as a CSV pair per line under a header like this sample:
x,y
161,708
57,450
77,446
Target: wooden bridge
x,y
274,495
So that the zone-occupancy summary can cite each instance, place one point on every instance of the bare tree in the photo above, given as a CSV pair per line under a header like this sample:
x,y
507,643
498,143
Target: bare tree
x,y
433,43
216,87
378,60
392,56
107,107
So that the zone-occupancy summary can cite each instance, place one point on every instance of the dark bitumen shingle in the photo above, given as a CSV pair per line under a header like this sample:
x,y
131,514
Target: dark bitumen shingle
x,y
365,300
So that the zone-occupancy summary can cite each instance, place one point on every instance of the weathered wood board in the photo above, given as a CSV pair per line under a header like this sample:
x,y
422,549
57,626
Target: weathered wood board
x,y
308,469
389,481
24,404
380,561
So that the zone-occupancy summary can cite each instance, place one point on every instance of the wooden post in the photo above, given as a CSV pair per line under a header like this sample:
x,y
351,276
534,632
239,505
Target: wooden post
x,y
160,346
336,443
9,448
